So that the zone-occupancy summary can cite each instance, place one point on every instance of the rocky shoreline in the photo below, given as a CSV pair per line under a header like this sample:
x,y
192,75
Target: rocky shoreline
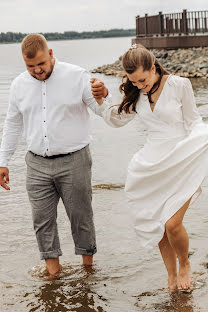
x,y
191,63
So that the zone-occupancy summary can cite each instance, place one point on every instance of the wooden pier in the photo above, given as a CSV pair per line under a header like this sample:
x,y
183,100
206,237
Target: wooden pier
x,y
173,30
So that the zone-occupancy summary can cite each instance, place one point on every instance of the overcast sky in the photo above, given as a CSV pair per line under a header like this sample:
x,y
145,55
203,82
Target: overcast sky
x,y
83,15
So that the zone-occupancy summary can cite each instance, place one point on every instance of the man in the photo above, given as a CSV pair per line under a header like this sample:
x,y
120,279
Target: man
x,y
49,101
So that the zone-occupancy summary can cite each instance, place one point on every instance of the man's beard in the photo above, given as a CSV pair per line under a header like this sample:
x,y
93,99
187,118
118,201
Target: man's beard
x,y
47,75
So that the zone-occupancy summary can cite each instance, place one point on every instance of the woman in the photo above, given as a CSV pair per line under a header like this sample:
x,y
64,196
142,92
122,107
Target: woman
x,y
165,175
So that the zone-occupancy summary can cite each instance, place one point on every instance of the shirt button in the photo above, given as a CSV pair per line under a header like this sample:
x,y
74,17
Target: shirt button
x,y
45,136
43,120
43,107
43,93
47,150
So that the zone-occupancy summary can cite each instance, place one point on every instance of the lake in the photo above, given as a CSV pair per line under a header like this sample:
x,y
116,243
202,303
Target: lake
x,y
124,277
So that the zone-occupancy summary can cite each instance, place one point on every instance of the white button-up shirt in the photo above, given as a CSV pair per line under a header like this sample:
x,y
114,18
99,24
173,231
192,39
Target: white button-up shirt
x,y
52,114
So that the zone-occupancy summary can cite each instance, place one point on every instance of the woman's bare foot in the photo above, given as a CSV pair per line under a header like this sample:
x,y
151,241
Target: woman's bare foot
x,y
184,278
172,283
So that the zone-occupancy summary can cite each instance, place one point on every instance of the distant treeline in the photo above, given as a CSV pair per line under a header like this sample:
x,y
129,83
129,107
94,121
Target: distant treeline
x,y
10,37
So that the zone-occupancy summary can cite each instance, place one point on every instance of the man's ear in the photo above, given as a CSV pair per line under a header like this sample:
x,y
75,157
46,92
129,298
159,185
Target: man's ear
x,y
50,51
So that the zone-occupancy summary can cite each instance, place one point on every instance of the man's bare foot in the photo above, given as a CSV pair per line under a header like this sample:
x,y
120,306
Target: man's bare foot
x,y
53,266
172,283
87,260
51,277
54,276
184,278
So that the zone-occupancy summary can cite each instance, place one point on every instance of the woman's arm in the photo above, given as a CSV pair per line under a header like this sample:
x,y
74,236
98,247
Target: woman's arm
x,y
112,117
109,112
190,112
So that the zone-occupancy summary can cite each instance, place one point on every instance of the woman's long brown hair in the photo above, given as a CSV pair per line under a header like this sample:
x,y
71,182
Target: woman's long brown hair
x,y
131,61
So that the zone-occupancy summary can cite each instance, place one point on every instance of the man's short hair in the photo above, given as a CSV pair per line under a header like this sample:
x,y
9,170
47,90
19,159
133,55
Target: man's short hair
x,y
33,43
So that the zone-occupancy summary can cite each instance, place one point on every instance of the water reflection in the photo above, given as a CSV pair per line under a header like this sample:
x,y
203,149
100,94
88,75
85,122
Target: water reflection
x,y
71,292
177,302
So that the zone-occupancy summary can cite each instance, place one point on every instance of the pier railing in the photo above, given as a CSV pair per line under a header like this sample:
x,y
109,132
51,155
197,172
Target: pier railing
x,y
182,23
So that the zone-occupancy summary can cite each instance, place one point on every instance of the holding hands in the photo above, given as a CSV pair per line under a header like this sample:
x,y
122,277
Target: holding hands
x,y
98,89
4,178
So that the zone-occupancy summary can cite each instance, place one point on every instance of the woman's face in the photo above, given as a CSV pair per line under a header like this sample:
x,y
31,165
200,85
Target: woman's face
x,y
143,80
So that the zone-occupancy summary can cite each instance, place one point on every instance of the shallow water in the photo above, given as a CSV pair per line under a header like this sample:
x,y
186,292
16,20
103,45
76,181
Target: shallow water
x,y
124,277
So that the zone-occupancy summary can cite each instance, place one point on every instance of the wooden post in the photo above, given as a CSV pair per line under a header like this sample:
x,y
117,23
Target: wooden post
x,y
205,24
137,26
161,24
185,26
145,25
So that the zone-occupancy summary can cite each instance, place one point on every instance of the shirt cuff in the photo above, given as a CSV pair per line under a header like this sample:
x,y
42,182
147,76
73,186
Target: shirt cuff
x,y
4,160
108,98
3,164
105,105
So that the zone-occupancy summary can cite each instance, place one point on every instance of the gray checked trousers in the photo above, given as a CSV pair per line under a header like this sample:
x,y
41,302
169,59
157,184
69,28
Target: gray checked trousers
x,y
68,178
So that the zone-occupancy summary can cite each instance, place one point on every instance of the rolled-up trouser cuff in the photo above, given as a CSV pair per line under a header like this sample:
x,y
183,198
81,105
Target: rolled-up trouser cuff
x,y
86,252
50,254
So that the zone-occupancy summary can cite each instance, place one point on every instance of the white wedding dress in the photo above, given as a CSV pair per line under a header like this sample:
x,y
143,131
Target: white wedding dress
x,y
171,166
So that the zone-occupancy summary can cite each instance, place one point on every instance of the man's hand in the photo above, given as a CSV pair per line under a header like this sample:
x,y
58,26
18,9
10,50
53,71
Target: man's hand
x,y
98,89
4,178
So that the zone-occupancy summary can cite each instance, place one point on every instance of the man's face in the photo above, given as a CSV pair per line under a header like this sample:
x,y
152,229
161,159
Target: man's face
x,y
41,66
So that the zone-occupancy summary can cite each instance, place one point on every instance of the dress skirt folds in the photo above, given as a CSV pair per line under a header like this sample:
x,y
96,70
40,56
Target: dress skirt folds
x,y
169,170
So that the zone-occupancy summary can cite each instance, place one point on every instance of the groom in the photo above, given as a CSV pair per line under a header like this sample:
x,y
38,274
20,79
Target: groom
x,y
50,102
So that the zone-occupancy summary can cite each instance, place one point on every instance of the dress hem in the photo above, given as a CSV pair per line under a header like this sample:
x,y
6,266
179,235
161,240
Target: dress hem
x,y
195,195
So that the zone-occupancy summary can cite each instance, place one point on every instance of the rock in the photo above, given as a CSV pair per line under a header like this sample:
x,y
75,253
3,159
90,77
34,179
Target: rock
x,y
165,55
190,62
204,70
205,65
